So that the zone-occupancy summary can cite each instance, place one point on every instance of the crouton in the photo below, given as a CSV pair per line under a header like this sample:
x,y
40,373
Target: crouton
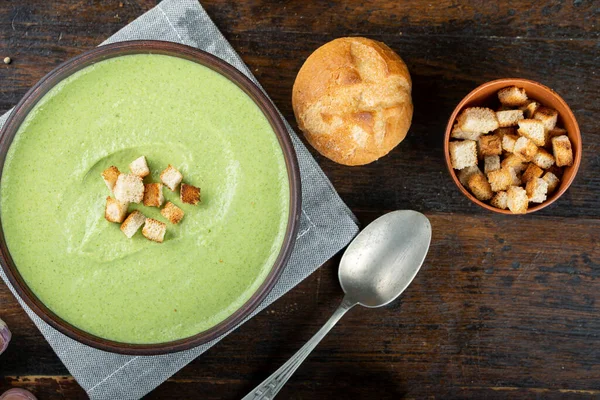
x,y
458,133
501,132
500,179
555,132
477,119
508,142
189,194
463,154
480,187
506,130
563,153
552,134
515,162
529,108
532,171
543,159
491,163
533,130
173,213
110,176
132,223
512,96
129,188
115,211
525,148
171,177
517,200
153,195
536,190
465,173
552,181
154,230
548,117
509,117
490,145
500,200
139,167
515,179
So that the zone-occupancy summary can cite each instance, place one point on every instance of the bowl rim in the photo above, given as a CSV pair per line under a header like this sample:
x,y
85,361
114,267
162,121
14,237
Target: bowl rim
x,y
69,67
508,82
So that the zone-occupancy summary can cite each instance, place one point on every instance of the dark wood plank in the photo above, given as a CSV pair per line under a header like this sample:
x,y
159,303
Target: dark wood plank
x,y
504,306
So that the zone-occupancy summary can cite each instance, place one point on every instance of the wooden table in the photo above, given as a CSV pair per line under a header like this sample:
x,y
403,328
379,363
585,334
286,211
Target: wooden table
x,y
504,307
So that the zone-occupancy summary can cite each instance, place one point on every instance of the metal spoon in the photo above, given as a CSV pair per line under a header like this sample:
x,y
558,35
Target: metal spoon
x,y
376,268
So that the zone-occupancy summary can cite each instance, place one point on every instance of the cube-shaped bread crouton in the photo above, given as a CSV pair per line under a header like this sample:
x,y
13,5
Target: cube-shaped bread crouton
x,y
525,149
139,167
173,213
548,116
533,130
543,159
509,117
536,190
463,154
532,171
154,230
554,133
477,119
500,179
129,188
515,179
132,223
517,200
189,194
563,153
514,162
171,177
552,181
512,96
465,173
115,211
508,142
480,187
490,145
458,133
500,200
507,130
491,163
153,194
110,176
529,108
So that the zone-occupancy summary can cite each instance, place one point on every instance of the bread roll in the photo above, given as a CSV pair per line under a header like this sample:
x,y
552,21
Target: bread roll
x,y
352,100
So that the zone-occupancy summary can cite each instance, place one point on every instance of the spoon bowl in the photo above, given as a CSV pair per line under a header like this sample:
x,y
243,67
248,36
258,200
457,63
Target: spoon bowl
x,y
384,258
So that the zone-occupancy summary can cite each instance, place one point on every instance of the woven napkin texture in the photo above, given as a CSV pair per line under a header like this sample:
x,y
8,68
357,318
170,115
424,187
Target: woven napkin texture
x,y
326,225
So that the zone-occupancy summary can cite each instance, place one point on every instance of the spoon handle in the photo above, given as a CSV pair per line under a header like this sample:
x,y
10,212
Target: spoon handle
x,y
273,384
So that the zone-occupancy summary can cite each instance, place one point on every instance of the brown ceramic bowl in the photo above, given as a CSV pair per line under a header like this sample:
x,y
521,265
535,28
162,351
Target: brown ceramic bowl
x,y
155,47
486,96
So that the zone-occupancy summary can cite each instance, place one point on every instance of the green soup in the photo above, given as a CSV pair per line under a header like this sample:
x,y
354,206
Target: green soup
x,y
172,111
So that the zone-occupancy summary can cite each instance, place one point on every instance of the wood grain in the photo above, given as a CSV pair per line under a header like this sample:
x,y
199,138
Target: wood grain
x,y
504,307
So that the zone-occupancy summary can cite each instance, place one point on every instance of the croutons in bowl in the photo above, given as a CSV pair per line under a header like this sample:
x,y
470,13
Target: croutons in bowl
x,y
512,146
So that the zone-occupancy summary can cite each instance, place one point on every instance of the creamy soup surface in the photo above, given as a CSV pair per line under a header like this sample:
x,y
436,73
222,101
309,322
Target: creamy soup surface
x,y
83,267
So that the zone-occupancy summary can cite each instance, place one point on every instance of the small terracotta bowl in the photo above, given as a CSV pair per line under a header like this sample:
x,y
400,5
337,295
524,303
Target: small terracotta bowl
x,y
486,96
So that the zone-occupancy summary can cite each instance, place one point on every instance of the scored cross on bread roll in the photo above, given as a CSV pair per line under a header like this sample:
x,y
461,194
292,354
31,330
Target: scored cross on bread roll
x,y
352,100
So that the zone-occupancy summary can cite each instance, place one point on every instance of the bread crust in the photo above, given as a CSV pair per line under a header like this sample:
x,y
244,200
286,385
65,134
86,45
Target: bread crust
x,y
352,100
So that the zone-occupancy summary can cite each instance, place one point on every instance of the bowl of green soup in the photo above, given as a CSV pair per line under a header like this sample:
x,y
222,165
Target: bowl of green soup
x,y
175,105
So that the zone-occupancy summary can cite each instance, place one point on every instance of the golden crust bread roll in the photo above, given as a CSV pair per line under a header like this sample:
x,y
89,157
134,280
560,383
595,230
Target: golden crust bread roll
x,y
352,100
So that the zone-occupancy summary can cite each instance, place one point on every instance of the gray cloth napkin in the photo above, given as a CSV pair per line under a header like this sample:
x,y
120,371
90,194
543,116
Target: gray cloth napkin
x,y
327,225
